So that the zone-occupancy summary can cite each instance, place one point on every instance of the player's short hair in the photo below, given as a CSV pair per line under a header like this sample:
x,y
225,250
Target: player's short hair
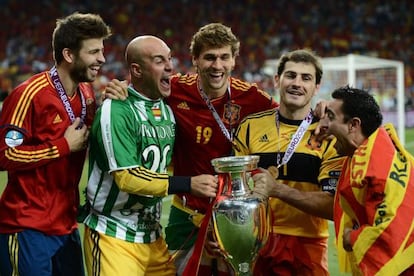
x,y
73,29
214,35
302,55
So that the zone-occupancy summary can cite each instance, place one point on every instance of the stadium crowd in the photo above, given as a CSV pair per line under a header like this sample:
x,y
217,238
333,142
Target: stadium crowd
x,y
266,29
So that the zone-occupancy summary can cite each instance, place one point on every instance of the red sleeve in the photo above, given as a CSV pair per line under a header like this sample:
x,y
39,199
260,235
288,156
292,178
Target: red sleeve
x,y
28,137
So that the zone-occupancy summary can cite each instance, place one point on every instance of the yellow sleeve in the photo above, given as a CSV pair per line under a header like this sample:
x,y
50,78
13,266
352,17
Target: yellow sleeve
x,y
240,143
142,181
331,162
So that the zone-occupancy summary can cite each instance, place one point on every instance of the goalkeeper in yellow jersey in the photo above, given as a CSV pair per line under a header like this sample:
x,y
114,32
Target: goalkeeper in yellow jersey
x,y
306,170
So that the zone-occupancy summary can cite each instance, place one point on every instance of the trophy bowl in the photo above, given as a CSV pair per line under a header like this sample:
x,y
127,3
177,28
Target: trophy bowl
x,y
239,219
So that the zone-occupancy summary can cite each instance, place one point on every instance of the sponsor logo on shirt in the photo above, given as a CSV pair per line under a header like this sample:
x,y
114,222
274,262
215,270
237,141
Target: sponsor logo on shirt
x,y
57,119
183,105
264,138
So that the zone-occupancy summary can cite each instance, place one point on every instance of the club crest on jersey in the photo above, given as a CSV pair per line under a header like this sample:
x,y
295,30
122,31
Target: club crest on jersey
x,y
13,138
312,143
231,114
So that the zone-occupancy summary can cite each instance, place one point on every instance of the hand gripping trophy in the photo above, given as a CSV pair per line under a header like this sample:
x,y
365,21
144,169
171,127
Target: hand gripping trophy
x,y
240,219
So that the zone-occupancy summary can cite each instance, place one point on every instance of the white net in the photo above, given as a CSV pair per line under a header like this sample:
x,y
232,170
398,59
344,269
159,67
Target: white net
x,y
384,79
381,83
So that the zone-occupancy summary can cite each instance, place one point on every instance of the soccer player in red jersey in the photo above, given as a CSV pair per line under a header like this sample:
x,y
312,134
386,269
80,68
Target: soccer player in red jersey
x,y
43,140
208,107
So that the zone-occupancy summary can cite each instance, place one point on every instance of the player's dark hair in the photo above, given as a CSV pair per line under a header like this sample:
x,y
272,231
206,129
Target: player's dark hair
x,y
72,30
359,103
302,55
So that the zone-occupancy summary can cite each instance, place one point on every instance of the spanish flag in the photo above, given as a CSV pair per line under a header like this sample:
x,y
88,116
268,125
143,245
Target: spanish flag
x,y
156,112
375,197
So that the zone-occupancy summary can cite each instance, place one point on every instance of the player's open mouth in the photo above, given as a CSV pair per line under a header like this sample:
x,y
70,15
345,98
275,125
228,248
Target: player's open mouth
x,y
216,76
165,81
95,69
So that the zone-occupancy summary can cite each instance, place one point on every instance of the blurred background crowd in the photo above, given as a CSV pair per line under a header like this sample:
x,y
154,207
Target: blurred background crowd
x,y
266,28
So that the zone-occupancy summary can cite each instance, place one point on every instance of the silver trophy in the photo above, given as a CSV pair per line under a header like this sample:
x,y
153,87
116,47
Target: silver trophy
x,y
240,221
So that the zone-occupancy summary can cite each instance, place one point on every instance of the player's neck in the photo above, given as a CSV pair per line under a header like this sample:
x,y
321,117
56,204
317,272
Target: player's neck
x,y
294,113
68,84
211,92
214,94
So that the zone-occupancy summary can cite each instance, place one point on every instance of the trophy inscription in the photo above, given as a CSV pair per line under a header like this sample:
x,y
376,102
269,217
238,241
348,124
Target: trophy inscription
x,y
239,219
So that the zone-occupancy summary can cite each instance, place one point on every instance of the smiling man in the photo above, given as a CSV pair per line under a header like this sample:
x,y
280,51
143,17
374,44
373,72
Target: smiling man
x,y
43,138
374,209
302,172
208,107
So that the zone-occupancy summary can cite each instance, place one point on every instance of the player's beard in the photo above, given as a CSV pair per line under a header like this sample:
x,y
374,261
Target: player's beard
x,y
213,85
79,72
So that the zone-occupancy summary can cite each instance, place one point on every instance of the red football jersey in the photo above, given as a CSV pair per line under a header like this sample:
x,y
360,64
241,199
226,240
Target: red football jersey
x,y
43,176
199,138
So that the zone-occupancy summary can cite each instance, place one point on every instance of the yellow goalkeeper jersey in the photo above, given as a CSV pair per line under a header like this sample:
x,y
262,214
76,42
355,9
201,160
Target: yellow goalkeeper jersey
x,y
314,166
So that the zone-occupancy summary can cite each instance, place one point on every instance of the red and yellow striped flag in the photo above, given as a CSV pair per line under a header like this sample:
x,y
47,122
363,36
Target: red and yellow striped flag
x,y
375,196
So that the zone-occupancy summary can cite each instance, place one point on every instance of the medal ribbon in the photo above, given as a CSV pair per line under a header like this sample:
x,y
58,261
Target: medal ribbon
x,y
228,134
193,263
297,137
64,97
